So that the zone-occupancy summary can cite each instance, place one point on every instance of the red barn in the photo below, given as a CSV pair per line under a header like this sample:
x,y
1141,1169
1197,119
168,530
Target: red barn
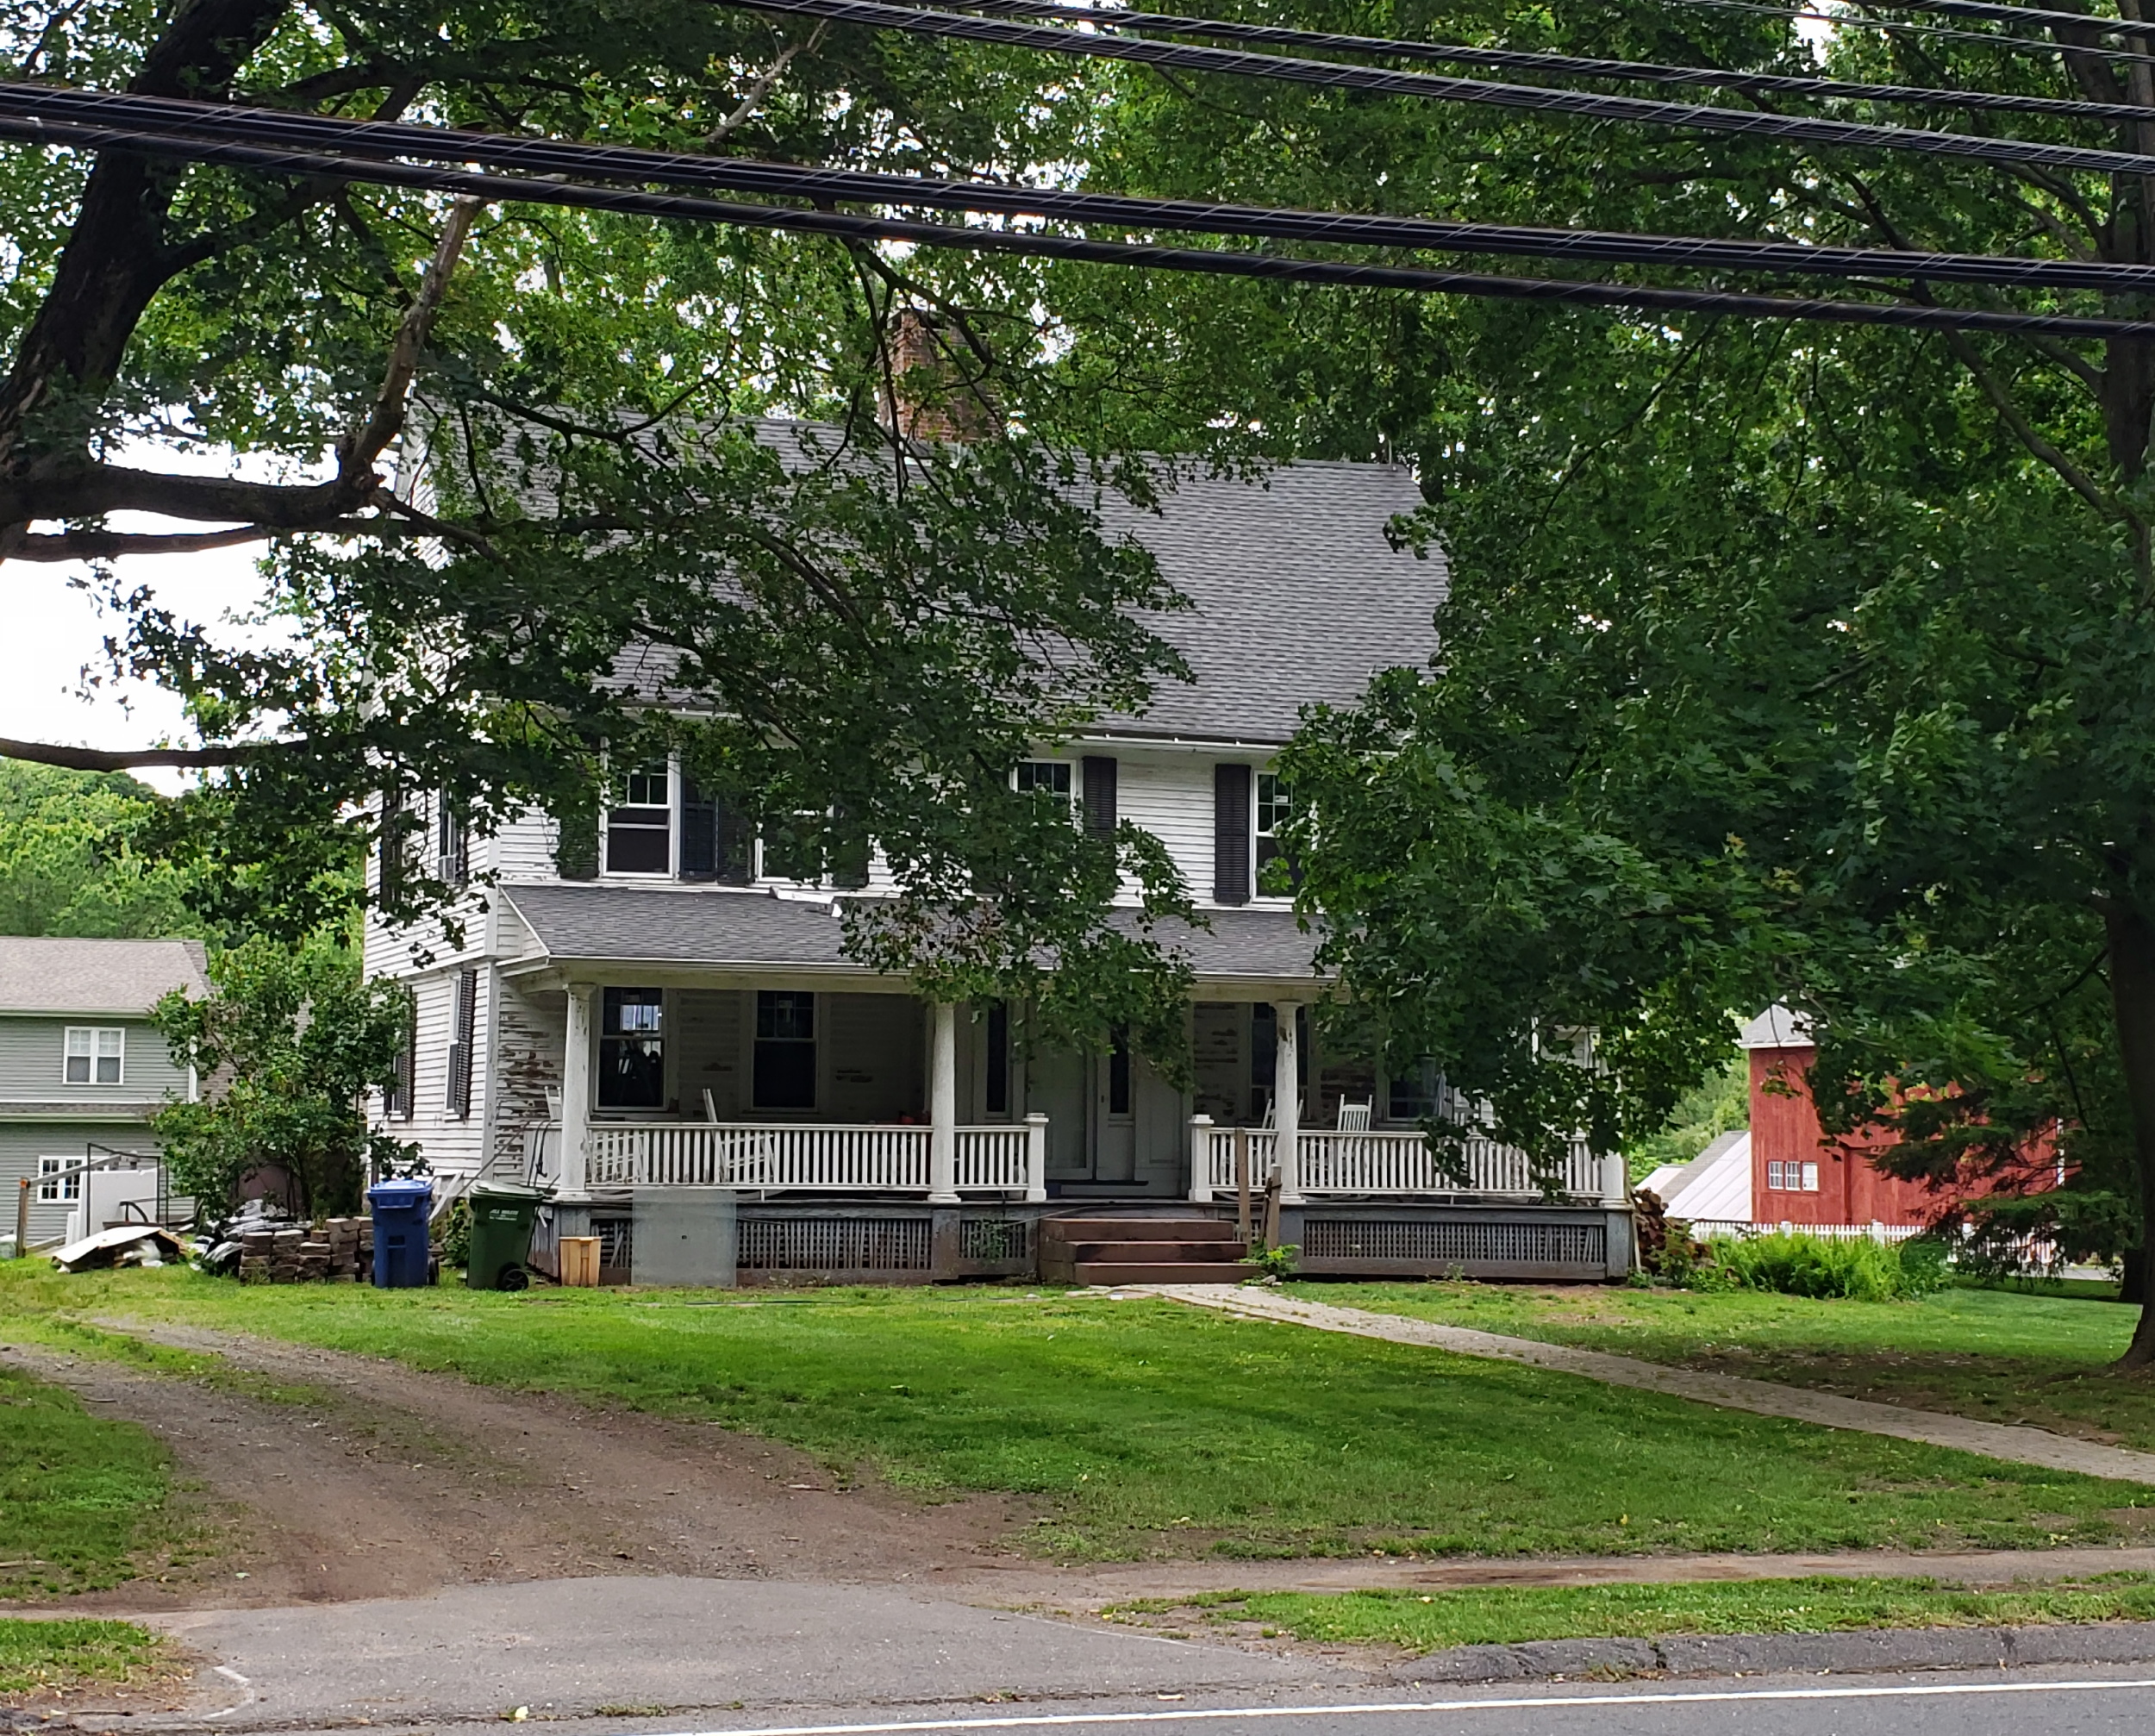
x,y
1797,1175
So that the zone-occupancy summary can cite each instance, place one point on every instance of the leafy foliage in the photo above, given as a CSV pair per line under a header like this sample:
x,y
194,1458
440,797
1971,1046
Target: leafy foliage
x,y
73,859
1720,1103
288,1043
1853,1269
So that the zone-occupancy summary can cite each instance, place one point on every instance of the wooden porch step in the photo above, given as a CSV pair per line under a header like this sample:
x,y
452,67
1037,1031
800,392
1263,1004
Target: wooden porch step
x,y
1161,1271
1137,1230
1155,1252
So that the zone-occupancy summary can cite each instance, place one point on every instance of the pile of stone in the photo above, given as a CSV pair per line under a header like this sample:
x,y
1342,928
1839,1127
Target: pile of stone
x,y
342,1251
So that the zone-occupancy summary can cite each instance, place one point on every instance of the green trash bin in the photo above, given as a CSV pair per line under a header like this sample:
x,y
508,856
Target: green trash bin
x,y
502,1219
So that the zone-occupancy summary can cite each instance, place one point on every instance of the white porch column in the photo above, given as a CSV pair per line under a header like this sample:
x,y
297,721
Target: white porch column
x,y
1616,1180
575,1093
1200,1160
942,1106
1036,1155
1287,1104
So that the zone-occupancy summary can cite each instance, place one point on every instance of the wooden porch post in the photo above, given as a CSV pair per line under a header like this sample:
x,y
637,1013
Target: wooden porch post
x,y
1036,1155
1286,1105
1200,1160
575,1093
942,1106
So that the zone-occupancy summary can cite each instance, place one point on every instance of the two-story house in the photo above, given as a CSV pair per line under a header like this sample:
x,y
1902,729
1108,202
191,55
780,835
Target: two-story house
x,y
81,1066
686,1017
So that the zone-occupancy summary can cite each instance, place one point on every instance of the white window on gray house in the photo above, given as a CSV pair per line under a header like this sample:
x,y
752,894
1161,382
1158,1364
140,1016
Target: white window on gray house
x,y
453,842
632,1049
1268,815
640,832
1414,1095
786,1050
52,1187
95,1054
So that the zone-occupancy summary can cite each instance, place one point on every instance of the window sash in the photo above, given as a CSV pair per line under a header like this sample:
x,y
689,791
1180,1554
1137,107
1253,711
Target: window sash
x,y
94,1054
1052,775
53,1188
782,1075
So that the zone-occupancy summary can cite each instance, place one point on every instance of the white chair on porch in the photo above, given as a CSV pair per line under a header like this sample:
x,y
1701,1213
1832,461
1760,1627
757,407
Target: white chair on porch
x,y
1354,1118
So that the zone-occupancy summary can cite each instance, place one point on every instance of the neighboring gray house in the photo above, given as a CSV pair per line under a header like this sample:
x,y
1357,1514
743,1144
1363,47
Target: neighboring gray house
x,y
676,1012
80,1063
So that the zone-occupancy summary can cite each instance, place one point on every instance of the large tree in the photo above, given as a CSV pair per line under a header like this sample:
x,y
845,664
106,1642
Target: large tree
x,y
507,473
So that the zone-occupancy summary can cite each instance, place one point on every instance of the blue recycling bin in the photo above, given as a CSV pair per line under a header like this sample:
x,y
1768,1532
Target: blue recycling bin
x,y
401,1253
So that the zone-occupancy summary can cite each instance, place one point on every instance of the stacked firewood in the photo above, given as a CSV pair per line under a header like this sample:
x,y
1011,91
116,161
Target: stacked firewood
x,y
342,1251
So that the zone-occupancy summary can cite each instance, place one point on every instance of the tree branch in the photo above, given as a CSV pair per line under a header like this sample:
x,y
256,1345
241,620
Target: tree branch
x,y
2009,412
112,545
761,87
356,454
121,759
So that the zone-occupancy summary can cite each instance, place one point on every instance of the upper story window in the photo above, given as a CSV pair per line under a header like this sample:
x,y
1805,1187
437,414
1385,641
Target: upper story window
x,y
1052,775
640,832
96,1055
632,1049
1269,817
453,842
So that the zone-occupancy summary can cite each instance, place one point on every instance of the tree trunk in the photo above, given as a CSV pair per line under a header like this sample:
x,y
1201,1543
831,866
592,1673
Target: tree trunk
x,y
2132,996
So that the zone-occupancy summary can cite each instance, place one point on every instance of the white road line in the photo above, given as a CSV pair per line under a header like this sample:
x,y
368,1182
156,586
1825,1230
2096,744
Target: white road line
x,y
1547,1701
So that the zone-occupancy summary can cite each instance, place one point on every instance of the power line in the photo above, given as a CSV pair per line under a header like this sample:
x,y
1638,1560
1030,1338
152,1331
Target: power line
x,y
379,140
506,189
1869,21
2024,14
1435,87
1559,66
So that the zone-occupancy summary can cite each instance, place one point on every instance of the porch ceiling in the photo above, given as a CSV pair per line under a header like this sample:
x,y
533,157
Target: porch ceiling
x,y
602,930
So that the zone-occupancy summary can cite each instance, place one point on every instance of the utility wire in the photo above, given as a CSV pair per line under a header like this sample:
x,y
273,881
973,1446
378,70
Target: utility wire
x,y
506,189
2024,15
1866,20
170,116
1558,66
1434,87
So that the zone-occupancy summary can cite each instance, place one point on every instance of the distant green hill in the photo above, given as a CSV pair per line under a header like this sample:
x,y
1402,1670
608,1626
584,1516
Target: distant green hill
x,y
69,863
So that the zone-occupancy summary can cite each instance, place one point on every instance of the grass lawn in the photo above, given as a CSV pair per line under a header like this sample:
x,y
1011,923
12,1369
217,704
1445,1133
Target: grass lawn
x,y
1144,1428
1422,1622
47,1656
2003,1355
83,1498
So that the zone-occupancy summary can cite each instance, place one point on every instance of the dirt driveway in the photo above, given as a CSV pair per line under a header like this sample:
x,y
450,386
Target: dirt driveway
x,y
364,1478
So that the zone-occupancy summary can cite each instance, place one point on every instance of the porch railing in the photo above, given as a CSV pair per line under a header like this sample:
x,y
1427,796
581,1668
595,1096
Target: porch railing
x,y
1391,1162
818,1157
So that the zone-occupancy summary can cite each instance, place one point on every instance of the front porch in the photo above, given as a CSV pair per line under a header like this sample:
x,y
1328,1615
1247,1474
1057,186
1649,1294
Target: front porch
x,y
856,1132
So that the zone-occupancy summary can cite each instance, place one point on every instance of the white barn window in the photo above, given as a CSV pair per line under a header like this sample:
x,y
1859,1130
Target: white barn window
x,y
95,1055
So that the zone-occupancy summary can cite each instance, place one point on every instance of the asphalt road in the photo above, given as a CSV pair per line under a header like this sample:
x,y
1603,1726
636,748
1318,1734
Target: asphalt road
x,y
2086,1703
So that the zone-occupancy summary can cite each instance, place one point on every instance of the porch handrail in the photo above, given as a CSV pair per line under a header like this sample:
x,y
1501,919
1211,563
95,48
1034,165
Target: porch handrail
x,y
1392,1161
818,1157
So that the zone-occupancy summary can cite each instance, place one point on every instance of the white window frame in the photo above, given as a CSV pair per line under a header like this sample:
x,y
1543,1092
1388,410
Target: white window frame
x,y
1072,776
1258,777
672,811
54,1189
94,1051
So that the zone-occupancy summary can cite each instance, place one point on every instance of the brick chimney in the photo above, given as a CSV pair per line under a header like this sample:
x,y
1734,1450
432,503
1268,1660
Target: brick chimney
x,y
935,386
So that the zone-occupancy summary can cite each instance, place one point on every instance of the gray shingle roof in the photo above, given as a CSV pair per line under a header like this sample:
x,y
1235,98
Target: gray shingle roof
x,y
722,929
1299,598
1777,1027
1297,595
44,975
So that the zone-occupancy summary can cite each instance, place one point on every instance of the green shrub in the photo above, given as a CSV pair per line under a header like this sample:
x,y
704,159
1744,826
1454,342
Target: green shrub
x,y
455,1230
1795,1264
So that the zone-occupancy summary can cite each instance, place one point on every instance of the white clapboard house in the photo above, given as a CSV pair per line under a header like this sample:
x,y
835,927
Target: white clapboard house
x,y
686,1019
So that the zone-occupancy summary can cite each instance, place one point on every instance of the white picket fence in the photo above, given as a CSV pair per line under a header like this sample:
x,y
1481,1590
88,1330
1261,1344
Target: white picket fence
x,y
819,1159
1389,1163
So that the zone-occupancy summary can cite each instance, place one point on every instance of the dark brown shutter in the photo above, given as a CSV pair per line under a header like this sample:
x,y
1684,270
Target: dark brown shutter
x,y
400,1085
849,855
1230,834
391,888
576,839
699,833
1100,814
733,845
462,1030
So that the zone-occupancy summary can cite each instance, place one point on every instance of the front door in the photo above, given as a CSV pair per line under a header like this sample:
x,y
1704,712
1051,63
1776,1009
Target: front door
x,y
1115,1138
1056,1084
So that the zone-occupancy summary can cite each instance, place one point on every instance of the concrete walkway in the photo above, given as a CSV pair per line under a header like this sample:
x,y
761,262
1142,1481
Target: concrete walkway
x,y
2020,1446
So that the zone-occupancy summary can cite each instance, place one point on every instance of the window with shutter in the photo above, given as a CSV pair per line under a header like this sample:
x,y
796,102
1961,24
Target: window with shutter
x,y
639,832
463,1027
453,841
1230,834
1100,810
397,1095
390,882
